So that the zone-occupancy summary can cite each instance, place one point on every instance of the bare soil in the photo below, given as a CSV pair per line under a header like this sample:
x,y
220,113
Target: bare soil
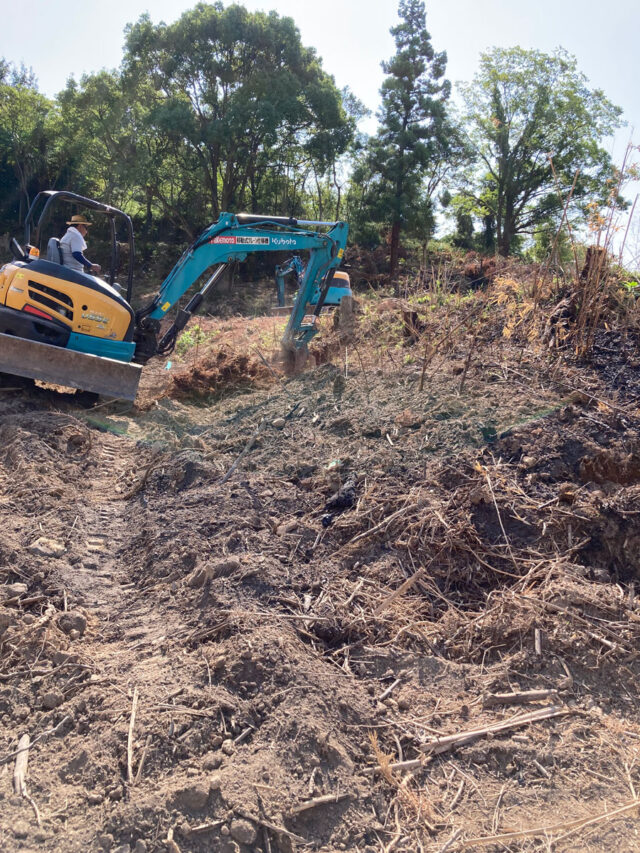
x,y
206,661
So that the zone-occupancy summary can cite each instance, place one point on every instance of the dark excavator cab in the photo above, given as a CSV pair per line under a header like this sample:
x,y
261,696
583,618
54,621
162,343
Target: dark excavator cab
x,y
42,207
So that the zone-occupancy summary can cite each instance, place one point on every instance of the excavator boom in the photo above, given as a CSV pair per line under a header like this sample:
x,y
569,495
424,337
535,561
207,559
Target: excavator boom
x,y
47,333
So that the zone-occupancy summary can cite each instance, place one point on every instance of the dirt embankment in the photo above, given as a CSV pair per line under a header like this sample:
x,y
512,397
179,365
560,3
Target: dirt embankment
x,y
407,616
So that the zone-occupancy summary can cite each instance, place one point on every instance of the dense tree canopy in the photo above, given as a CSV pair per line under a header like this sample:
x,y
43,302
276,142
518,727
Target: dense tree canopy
x,y
226,109
26,143
235,96
533,123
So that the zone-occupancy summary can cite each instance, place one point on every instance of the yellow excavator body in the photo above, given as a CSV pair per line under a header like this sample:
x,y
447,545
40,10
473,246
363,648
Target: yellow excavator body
x,y
83,303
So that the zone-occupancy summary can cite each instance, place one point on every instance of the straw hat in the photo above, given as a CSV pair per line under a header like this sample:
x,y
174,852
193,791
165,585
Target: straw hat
x,y
79,219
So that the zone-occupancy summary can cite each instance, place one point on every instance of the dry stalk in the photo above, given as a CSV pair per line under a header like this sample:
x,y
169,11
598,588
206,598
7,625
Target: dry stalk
x,y
549,830
414,805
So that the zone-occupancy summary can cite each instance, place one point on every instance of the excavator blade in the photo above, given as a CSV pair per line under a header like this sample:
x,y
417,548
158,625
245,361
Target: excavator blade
x,y
21,357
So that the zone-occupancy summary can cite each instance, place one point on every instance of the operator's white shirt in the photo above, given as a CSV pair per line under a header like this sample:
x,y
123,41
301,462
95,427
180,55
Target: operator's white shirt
x,y
73,241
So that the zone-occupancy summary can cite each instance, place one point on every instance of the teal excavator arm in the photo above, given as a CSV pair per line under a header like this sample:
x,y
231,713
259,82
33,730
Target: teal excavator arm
x,y
232,238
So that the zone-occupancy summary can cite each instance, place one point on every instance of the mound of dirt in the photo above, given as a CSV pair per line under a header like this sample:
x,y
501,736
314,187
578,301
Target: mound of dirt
x,y
217,373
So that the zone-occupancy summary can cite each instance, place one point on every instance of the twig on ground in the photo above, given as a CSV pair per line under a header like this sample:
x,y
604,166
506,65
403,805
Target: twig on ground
x,y
404,587
571,825
172,847
20,775
525,696
20,769
143,758
132,722
386,693
504,532
449,844
450,741
279,830
318,801
245,450
204,827
39,737
457,797
372,530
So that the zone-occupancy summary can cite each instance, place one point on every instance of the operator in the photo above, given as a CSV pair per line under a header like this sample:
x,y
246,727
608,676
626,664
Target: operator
x,y
73,244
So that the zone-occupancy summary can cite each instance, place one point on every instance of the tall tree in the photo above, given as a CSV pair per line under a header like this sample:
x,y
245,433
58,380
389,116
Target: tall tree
x,y
530,115
24,136
236,93
412,121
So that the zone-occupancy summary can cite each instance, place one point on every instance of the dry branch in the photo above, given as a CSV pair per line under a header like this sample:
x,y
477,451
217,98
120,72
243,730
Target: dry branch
x,y
572,826
246,449
318,801
39,737
20,769
132,722
451,741
492,699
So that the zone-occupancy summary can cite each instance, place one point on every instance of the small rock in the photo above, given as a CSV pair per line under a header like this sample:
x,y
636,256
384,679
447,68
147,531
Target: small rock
x,y
566,493
477,496
243,831
94,798
193,796
227,747
198,577
72,620
580,397
105,841
141,846
115,793
224,829
215,782
52,699
28,619
21,829
74,635
278,423
78,761
45,547
212,761
529,461
13,590
7,618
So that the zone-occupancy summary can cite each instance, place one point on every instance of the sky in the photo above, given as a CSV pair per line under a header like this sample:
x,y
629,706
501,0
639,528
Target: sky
x,y
62,39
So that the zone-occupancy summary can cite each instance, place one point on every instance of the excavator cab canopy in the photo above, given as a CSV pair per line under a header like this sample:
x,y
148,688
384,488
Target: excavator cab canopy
x,y
47,200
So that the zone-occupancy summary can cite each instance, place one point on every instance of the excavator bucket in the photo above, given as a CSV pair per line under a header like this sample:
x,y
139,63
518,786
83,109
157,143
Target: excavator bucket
x,y
34,360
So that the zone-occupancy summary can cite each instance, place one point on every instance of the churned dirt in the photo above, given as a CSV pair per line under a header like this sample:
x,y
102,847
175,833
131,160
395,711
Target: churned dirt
x,y
385,605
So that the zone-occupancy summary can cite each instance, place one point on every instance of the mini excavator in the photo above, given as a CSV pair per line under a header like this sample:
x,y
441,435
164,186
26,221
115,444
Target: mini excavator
x,y
74,329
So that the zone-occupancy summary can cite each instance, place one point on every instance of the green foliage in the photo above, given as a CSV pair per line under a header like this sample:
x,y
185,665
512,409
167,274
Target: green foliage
x,y
25,139
193,337
394,178
226,109
533,123
236,100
